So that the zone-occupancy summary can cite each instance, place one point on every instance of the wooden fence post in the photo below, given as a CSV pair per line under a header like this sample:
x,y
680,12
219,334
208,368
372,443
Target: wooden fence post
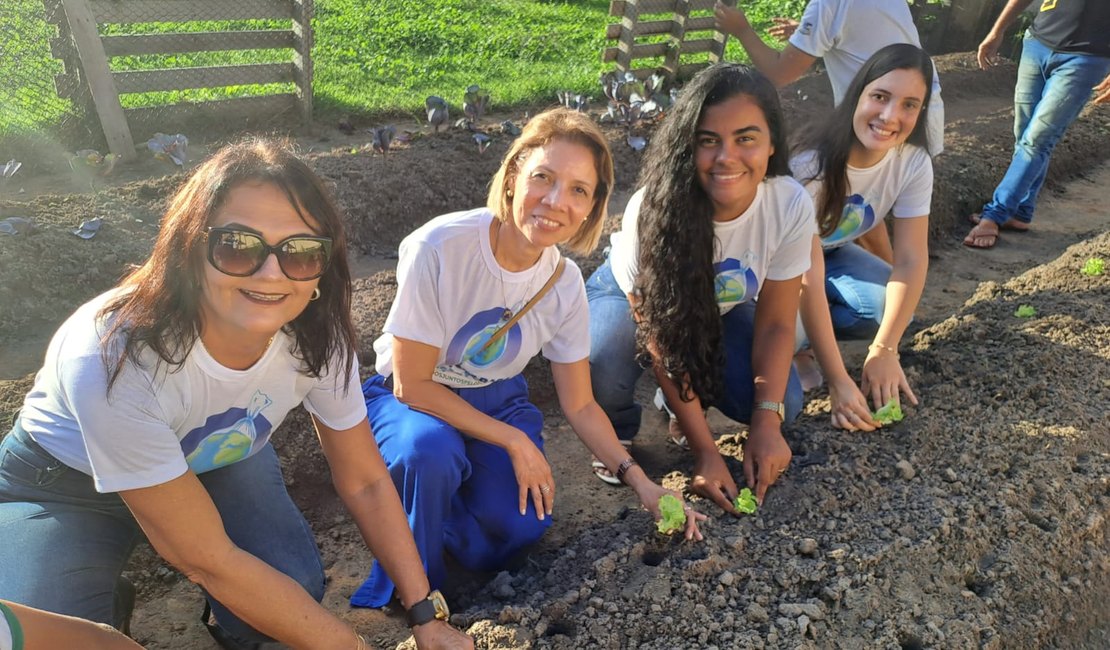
x,y
717,51
628,33
302,57
678,32
95,64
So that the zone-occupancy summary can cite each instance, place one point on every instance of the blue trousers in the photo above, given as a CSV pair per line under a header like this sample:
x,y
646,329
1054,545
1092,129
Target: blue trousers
x,y
855,285
1051,90
614,370
460,494
65,544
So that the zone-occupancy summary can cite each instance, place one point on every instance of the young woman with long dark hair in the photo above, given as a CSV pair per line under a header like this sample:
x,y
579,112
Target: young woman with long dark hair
x,y
718,222
869,159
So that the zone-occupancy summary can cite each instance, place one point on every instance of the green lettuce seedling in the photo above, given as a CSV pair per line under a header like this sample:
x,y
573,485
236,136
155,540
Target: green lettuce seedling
x,y
673,516
745,502
1025,311
890,413
1094,266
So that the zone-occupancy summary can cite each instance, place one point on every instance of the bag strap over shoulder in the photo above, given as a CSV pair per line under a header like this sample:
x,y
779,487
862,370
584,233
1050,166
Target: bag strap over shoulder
x,y
531,303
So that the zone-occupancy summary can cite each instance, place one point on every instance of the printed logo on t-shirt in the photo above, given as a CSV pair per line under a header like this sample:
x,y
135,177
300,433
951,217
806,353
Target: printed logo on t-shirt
x,y
228,437
858,218
736,282
806,29
1048,5
465,349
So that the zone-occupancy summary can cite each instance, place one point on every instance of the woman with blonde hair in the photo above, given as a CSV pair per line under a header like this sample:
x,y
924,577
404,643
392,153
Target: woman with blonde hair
x,y
479,293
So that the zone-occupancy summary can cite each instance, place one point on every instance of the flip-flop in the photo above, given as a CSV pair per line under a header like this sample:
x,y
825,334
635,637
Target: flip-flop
x,y
979,233
602,472
674,431
975,217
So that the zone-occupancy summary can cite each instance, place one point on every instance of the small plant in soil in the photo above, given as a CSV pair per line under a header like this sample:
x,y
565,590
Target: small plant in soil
x,y
1094,266
890,413
673,517
745,502
1025,311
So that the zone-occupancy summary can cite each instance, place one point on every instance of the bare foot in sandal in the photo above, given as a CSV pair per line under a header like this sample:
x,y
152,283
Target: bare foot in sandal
x,y
1011,223
983,235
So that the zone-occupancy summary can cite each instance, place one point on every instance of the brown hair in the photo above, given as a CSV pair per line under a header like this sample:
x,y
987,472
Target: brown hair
x,y
556,124
159,308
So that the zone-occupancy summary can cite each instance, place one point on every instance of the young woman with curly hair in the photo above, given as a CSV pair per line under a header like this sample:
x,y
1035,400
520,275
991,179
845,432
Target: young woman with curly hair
x,y
867,160
702,281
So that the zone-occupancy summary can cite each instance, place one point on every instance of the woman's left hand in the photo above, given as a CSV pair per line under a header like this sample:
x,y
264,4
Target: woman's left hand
x,y
650,494
883,378
440,635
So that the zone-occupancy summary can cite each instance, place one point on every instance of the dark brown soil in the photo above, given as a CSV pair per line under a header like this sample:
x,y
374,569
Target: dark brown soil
x,y
980,521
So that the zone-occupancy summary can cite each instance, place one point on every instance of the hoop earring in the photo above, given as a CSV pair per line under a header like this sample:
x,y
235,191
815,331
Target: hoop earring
x,y
315,294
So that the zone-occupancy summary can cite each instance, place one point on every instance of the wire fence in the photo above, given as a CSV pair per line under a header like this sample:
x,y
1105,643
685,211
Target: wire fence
x,y
167,66
30,108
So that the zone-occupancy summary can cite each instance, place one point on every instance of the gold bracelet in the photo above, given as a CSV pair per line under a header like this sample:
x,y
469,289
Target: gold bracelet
x,y
883,346
361,642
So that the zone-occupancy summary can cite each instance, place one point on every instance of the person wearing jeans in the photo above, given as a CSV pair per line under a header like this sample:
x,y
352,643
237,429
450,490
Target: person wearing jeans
x,y
1065,53
156,404
702,281
866,161
615,369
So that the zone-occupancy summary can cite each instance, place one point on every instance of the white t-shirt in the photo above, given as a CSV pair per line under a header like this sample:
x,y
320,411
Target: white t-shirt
x,y
900,184
769,241
453,295
845,33
159,420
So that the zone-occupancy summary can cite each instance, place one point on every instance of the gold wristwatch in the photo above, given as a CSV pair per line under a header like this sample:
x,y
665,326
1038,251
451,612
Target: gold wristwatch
x,y
777,407
433,606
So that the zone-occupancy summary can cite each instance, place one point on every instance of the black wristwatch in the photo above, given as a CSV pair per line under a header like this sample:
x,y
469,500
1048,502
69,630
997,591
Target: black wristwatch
x,y
433,606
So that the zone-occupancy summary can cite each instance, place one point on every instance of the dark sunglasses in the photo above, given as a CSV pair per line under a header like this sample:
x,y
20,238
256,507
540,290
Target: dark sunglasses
x,y
241,253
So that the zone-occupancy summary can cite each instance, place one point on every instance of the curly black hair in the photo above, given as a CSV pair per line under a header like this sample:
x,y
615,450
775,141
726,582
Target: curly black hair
x,y
679,321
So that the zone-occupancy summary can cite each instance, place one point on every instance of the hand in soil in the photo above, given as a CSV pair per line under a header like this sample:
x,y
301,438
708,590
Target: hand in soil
x,y
766,456
687,519
712,480
439,634
849,406
883,378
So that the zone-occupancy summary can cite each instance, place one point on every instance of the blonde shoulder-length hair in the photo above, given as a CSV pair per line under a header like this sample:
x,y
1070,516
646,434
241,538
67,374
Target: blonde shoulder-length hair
x,y
571,126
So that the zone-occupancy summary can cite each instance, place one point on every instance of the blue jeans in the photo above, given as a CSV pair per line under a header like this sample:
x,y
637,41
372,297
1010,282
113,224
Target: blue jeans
x,y
1052,88
614,369
460,494
855,285
65,544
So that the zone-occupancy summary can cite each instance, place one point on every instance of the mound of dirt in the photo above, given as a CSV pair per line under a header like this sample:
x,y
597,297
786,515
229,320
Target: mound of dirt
x,y
946,531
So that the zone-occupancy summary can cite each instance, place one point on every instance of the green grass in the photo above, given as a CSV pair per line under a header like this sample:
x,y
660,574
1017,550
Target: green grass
x,y
371,57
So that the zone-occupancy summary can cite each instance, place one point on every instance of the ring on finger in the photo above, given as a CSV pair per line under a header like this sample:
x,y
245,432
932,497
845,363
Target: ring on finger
x,y
545,488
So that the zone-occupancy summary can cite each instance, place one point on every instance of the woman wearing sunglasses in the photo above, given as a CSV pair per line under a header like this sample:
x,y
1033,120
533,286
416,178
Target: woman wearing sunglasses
x,y
154,409
479,293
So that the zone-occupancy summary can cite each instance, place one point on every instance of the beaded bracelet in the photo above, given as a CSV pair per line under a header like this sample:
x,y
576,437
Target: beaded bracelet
x,y
625,465
883,346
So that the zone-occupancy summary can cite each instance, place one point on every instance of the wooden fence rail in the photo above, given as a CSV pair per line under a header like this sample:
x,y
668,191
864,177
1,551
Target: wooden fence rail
x,y
685,35
86,56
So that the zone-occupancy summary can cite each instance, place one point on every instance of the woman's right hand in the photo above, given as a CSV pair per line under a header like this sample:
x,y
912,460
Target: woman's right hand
x,y
713,481
533,475
849,406
435,635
